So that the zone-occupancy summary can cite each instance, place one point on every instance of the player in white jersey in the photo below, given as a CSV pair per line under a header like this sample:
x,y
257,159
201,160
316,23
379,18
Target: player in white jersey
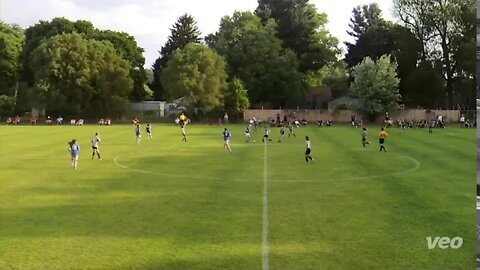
x,y
308,144
266,136
95,141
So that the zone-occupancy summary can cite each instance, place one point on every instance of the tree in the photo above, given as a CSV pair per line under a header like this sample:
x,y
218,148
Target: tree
x,y
236,97
439,25
127,48
303,30
183,32
334,76
80,77
372,34
124,44
376,85
197,73
11,42
254,55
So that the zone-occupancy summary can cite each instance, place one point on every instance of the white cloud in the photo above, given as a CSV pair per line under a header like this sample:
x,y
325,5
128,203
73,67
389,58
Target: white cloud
x,y
149,20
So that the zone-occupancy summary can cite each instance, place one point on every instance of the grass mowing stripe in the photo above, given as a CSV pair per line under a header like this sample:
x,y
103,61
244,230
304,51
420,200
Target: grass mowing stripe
x,y
265,247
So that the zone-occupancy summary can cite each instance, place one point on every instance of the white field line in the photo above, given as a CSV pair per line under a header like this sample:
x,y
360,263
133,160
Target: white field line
x,y
416,166
265,248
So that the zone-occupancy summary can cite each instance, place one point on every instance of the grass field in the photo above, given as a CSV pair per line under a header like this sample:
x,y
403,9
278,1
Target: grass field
x,y
165,204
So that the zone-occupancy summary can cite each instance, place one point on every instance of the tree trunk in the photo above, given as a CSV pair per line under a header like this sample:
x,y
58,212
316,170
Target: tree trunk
x,y
449,73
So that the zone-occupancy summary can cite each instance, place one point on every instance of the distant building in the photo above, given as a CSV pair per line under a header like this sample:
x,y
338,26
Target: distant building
x,y
149,108
318,97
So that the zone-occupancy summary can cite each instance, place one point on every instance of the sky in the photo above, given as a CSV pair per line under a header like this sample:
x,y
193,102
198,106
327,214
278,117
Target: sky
x,y
149,21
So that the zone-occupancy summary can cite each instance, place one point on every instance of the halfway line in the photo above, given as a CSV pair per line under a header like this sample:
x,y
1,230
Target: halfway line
x,y
265,248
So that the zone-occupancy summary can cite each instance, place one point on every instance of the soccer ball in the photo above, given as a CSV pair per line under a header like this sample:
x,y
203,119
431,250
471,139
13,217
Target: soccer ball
x,y
254,141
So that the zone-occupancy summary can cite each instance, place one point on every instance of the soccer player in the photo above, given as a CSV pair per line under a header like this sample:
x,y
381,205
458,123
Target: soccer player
x,y
184,132
247,133
308,144
95,141
182,118
290,130
138,134
364,137
282,134
382,135
149,130
266,136
74,152
226,140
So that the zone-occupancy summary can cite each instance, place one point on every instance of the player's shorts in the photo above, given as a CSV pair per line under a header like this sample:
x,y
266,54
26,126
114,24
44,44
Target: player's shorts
x,y
247,134
381,140
94,148
227,141
364,139
308,151
74,156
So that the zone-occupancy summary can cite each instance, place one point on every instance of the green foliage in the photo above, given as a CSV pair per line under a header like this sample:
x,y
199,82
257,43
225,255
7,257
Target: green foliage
x,y
446,29
302,29
127,48
425,88
236,97
77,76
376,85
11,42
183,32
197,73
6,105
254,55
124,44
334,76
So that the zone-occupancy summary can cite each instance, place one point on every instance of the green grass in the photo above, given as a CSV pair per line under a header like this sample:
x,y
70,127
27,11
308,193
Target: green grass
x,y
165,204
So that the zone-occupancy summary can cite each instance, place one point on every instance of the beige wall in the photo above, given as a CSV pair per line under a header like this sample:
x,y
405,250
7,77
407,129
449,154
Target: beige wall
x,y
344,116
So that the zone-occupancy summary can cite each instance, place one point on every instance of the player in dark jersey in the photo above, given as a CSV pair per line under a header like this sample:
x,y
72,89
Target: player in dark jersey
x,y
364,137
149,131
226,140
290,130
138,134
247,133
282,134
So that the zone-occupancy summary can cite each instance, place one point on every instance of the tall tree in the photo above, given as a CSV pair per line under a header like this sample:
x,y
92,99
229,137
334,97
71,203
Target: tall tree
x,y
376,84
197,73
76,76
127,48
371,32
438,23
183,32
11,42
124,44
254,54
302,29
